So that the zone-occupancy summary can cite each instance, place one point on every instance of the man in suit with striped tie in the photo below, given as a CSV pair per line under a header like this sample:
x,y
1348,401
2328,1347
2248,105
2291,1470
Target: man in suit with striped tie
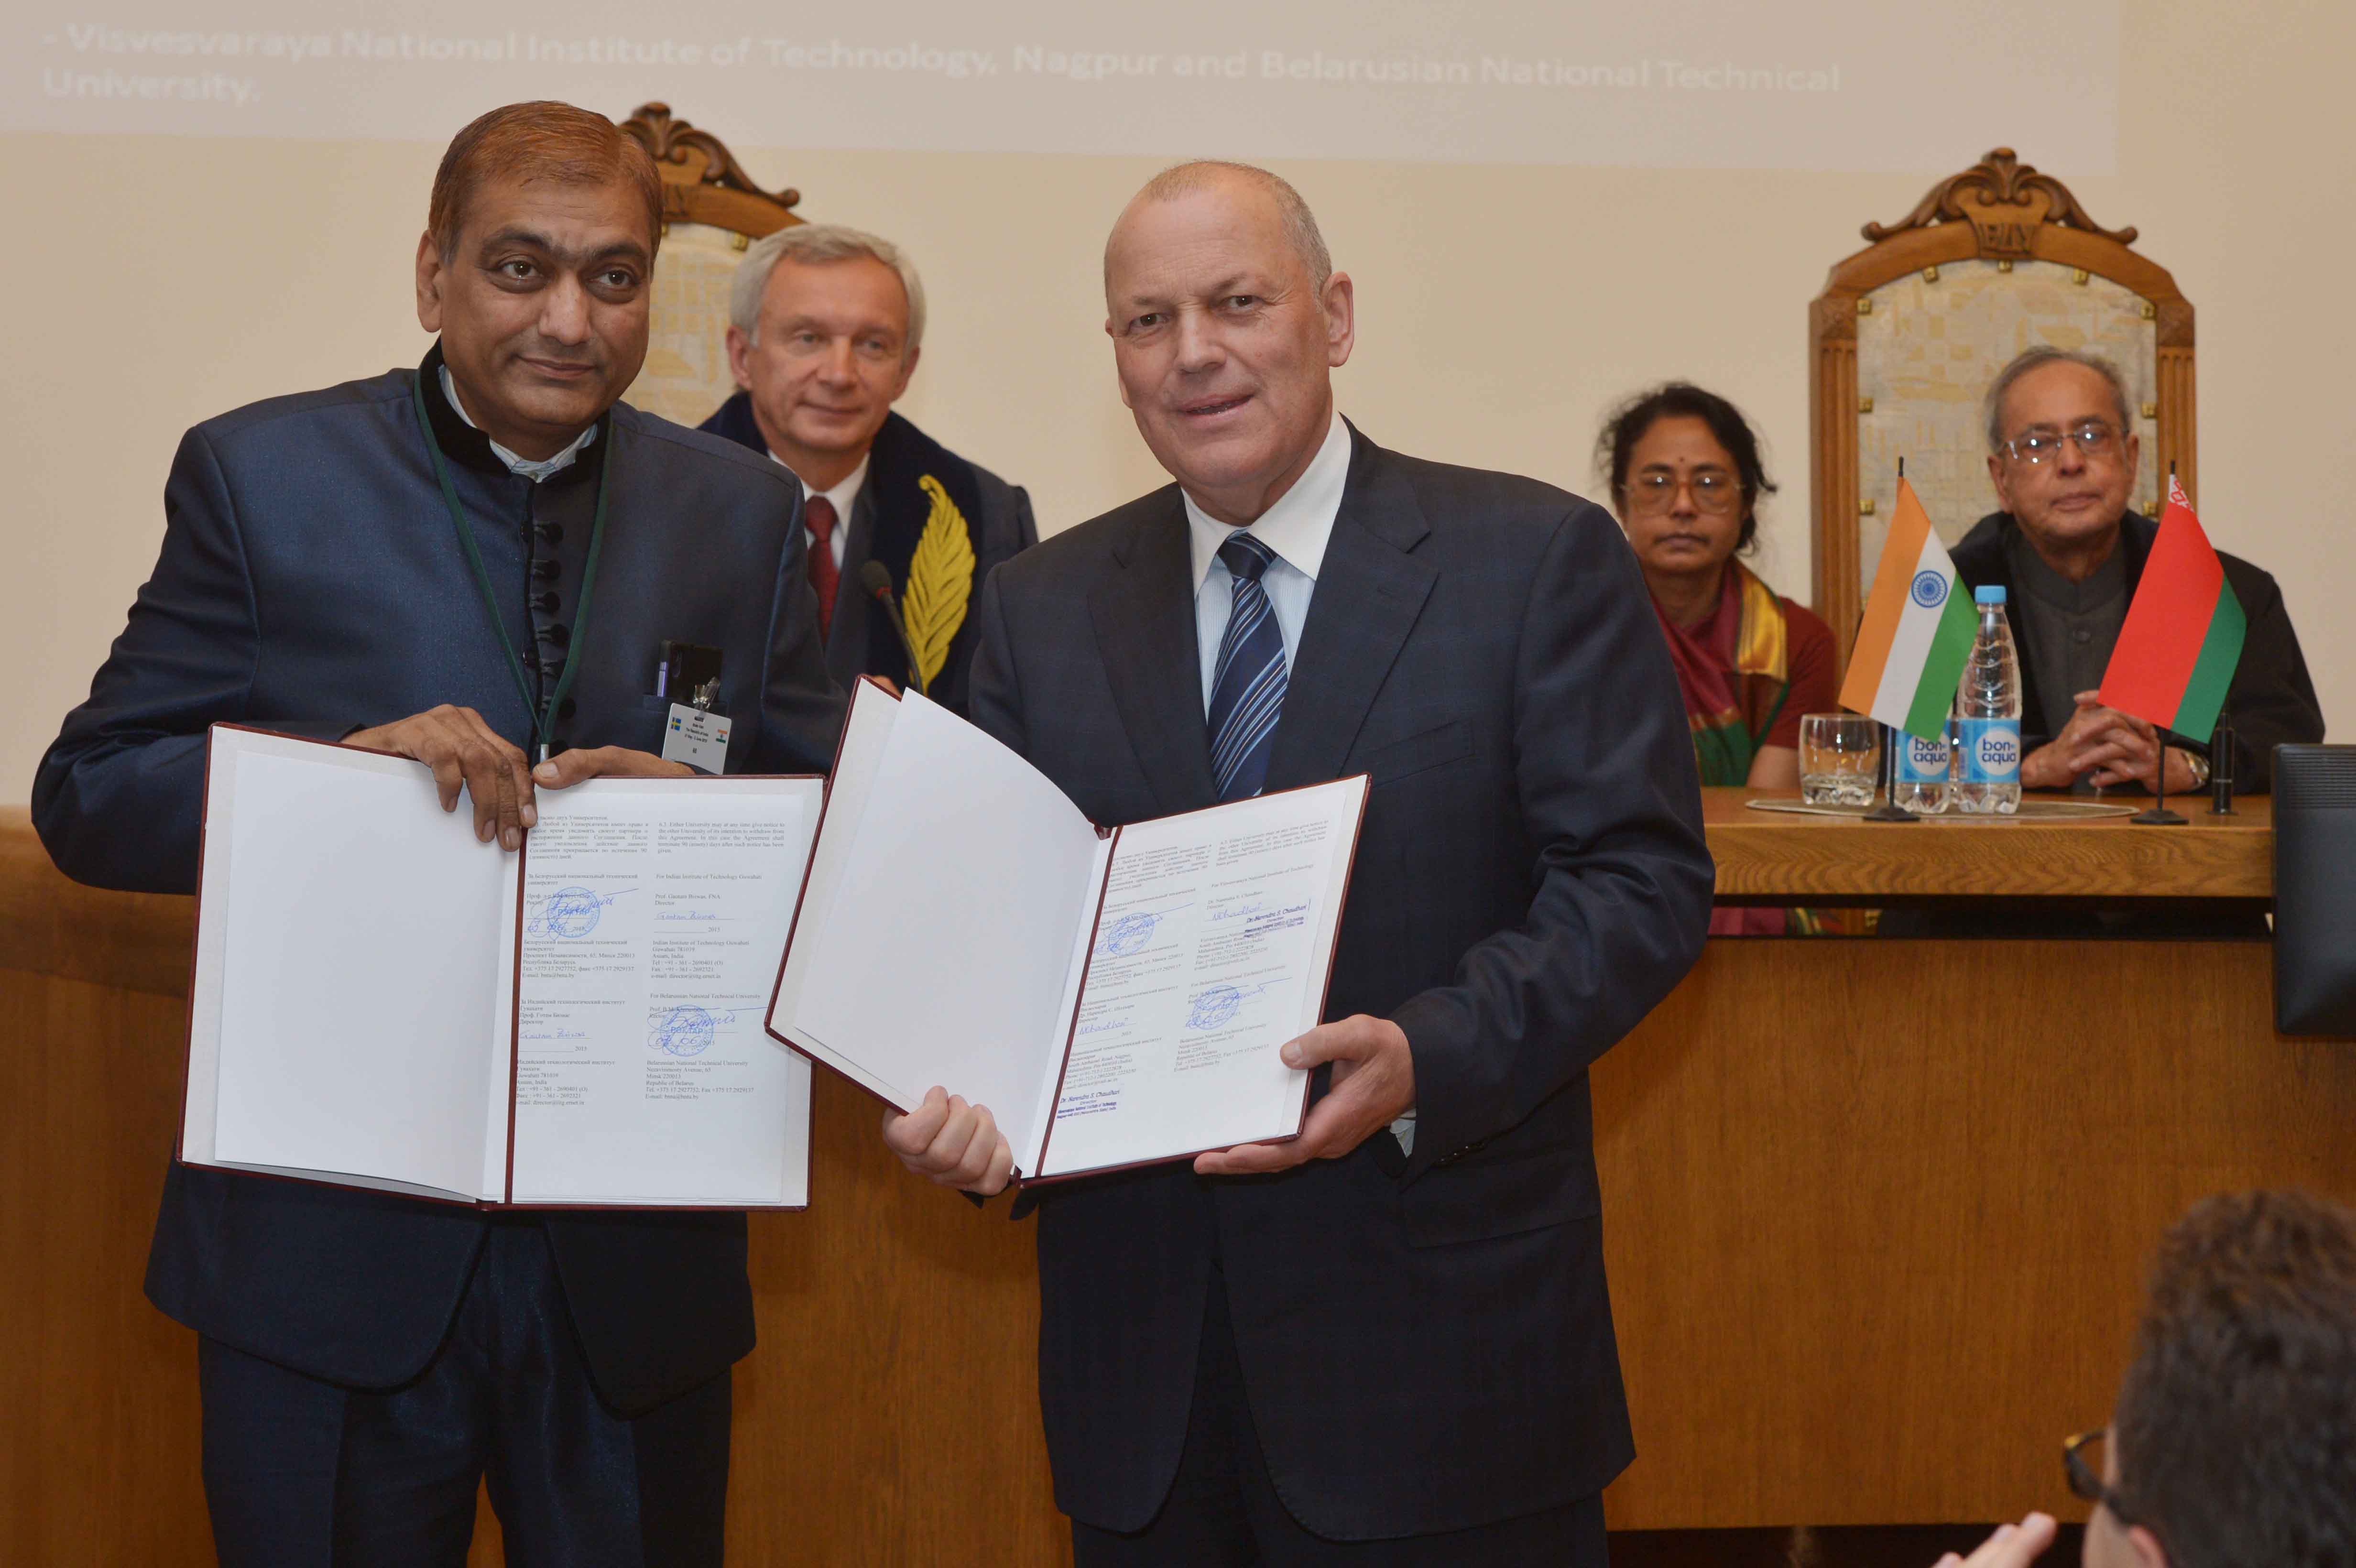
x,y
1387,1341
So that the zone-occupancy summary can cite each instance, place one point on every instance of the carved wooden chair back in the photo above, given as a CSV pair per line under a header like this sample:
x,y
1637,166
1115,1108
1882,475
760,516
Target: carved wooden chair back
x,y
1909,331
712,211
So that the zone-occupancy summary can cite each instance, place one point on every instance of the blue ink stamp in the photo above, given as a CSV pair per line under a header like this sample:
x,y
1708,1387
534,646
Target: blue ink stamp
x,y
681,1031
571,912
1130,932
1213,1005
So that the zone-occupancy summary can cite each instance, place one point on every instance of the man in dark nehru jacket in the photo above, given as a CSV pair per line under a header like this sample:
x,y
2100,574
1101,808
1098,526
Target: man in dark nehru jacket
x,y
2069,554
825,326
1388,1341
474,564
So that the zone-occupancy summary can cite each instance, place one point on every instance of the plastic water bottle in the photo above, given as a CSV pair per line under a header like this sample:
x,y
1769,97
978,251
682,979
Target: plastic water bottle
x,y
1921,771
1988,714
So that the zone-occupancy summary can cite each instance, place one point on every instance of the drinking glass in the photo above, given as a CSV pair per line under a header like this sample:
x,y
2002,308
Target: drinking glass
x,y
1840,759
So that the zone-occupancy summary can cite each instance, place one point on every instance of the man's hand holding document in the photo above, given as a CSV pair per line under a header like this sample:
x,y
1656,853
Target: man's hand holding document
x,y
976,952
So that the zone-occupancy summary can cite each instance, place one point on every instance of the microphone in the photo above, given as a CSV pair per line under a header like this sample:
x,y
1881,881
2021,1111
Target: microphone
x,y
877,581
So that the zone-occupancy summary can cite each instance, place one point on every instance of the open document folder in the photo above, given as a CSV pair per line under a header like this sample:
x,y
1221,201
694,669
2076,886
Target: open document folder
x,y
381,1001
1116,996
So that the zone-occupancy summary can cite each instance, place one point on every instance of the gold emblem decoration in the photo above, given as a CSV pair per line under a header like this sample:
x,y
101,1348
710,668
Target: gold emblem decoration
x,y
940,581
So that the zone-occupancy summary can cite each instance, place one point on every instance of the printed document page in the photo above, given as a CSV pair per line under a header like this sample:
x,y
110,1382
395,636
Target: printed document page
x,y
355,944
1212,949
943,956
653,914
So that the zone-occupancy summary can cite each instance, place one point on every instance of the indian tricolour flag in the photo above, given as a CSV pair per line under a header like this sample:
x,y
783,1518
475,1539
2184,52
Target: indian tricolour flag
x,y
1917,631
2182,636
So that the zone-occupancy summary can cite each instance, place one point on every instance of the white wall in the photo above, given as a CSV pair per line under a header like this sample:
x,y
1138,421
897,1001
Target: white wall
x,y
159,281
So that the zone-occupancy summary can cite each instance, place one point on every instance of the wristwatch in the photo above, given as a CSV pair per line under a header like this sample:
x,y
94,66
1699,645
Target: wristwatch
x,y
2200,766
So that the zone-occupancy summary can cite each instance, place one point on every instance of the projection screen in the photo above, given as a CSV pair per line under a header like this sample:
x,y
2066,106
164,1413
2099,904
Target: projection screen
x,y
1844,85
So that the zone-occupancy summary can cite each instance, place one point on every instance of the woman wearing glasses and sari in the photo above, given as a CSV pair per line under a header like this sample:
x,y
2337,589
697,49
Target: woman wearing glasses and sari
x,y
1686,481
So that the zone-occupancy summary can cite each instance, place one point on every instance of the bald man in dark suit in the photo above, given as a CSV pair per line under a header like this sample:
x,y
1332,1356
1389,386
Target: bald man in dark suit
x,y
1388,1341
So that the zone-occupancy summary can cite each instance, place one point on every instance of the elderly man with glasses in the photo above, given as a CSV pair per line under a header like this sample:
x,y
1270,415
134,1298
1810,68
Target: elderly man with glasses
x,y
2069,552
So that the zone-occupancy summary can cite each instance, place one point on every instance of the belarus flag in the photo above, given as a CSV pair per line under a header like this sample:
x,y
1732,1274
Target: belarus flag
x,y
1917,631
2183,638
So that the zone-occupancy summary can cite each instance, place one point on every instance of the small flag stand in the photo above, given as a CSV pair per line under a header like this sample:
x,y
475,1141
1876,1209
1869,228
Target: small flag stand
x,y
1891,738
1890,810
2181,644
2158,816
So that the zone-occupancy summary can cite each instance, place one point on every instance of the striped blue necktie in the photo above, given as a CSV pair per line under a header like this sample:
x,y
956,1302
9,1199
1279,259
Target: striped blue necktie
x,y
1248,691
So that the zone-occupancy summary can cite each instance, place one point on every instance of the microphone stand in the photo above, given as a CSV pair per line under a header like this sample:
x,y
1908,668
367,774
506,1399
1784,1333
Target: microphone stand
x,y
877,581
2223,746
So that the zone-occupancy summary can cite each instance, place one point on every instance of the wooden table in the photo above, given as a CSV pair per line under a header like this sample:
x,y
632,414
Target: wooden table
x,y
1878,1211
1877,1215
1780,856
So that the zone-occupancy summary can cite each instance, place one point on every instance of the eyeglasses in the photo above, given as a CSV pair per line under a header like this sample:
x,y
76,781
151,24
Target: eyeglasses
x,y
1715,493
2086,1475
2094,438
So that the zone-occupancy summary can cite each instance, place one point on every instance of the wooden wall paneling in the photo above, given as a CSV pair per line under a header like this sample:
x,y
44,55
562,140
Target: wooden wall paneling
x,y
888,1418
1877,1213
1877,1217
100,1451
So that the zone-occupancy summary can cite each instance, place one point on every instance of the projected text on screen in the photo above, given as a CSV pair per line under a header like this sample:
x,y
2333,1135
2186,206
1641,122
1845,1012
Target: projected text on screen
x,y
1840,85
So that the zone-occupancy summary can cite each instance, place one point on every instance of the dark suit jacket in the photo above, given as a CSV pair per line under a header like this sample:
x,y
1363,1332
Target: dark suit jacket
x,y
310,581
1000,523
2271,701
1426,1340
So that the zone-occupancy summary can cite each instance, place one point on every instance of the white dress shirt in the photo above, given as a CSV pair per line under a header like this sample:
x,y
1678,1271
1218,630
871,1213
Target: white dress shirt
x,y
844,496
534,469
1297,529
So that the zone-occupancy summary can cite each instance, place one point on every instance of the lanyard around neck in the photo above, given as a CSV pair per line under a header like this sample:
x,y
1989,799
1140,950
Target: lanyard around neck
x,y
543,715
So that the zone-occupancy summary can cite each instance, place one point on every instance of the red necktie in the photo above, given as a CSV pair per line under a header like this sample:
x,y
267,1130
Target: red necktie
x,y
818,516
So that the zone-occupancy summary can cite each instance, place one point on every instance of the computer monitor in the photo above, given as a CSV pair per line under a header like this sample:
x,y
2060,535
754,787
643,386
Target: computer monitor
x,y
2315,890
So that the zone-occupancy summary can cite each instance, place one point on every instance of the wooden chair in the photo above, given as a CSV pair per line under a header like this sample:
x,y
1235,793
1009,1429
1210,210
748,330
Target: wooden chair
x,y
712,211
1909,331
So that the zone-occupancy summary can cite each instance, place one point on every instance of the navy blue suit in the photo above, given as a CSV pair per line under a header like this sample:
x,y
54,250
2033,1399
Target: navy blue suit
x,y
311,581
1425,1337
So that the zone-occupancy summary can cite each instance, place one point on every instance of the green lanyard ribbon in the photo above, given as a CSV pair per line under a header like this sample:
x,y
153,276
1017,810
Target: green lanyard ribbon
x,y
543,715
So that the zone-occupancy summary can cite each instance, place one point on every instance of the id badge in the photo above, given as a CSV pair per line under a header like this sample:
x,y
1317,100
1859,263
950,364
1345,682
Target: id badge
x,y
697,736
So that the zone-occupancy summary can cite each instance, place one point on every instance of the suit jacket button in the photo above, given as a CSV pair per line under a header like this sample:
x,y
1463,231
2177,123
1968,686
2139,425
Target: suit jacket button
x,y
567,709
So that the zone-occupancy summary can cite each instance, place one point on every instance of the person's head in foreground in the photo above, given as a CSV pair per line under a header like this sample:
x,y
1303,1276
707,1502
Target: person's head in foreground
x,y
1227,321
2233,1441
536,269
2063,450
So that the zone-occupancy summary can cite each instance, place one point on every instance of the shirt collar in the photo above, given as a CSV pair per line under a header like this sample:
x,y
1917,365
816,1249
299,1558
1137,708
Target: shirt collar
x,y
1298,526
521,467
844,496
2039,581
